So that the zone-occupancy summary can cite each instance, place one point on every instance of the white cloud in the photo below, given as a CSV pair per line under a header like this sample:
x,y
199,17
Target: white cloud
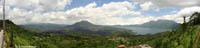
x,y
107,14
171,3
54,4
146,6
178,17
39,5
24,11
51,17
189,10
25,4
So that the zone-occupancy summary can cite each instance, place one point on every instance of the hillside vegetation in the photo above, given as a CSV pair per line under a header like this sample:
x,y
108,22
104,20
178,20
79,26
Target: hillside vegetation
x,y
186,36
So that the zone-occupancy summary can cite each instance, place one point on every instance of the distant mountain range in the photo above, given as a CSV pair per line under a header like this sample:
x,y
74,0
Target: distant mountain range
x,y
42,27
164,24
83,27
152,27
86,27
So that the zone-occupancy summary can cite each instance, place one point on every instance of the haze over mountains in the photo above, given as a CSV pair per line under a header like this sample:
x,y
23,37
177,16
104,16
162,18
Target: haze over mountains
x,y
98,36
151,27
42,27
100,24
82,27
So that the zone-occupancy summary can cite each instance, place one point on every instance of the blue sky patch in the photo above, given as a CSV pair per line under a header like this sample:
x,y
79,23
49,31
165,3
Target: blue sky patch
x,y
79,3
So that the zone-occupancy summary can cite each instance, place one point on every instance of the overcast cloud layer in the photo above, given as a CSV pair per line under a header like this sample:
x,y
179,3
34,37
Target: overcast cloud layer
x,y
112,13
171,3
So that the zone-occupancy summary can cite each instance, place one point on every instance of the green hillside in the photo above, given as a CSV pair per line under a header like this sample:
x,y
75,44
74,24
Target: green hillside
x,y
43,27
176,39
186,36
23,37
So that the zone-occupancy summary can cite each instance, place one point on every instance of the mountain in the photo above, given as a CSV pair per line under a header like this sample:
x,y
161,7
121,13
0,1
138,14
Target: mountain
x,y
83,23
24,37
43,27
152,27
167,24
185,36
85,27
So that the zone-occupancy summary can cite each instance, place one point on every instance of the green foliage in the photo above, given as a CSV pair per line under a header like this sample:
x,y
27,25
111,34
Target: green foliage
x,y
170,39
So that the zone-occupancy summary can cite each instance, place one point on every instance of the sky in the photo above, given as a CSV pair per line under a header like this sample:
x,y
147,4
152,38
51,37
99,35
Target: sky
x,y
101,12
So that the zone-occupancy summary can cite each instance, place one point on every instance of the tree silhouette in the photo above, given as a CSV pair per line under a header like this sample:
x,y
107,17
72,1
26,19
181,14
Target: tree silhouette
x,y
184,24
195,18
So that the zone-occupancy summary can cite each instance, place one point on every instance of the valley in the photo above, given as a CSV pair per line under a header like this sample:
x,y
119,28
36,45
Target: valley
x,y
86,35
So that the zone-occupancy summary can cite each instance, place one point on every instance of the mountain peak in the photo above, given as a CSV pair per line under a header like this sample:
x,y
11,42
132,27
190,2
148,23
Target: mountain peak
x,y
83,23
161,22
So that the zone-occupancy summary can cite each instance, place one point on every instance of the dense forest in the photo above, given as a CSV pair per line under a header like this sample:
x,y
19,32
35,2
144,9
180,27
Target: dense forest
x,y
186,36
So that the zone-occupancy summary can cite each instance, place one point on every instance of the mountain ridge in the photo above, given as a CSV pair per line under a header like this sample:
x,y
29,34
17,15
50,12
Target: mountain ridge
x,y
152,27
156,24
85,27
149,27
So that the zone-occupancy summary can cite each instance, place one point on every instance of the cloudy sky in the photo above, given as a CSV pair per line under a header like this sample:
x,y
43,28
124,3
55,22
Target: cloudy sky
x,y
102,12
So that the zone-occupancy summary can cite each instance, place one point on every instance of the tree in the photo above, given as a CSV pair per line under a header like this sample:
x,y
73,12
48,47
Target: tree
x,y
195,18
184,24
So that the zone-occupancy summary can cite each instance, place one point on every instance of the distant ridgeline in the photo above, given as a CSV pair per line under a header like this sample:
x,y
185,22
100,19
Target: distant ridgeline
x,y
152,27
165,24
82,27
86,27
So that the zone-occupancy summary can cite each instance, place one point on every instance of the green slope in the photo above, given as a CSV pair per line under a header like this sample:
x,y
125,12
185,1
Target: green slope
x,y
186,36
170,39
23,37
20,35
176,39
